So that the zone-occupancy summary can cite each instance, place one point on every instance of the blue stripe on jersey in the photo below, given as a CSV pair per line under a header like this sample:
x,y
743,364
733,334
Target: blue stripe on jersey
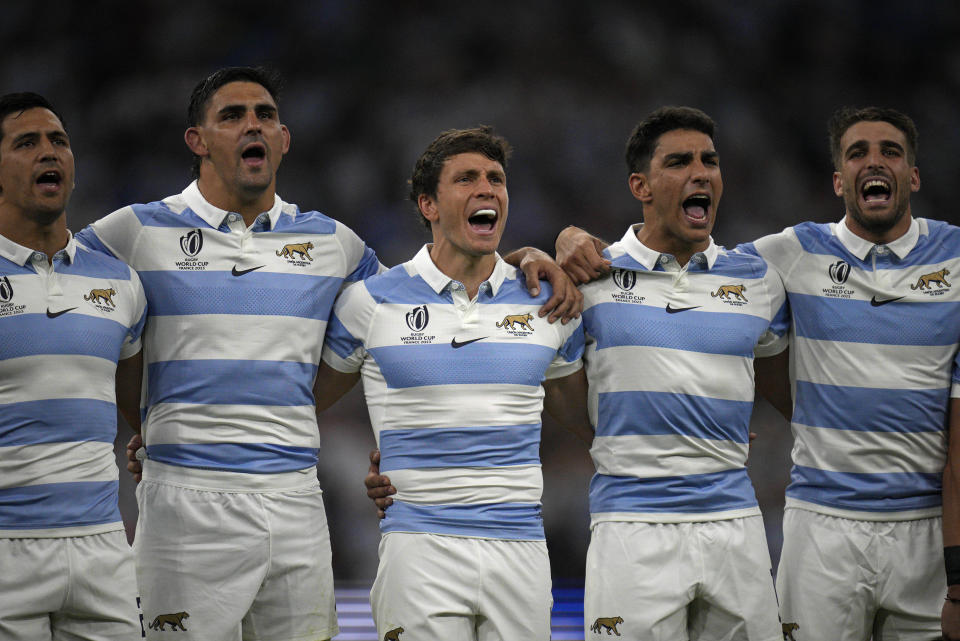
x,y
94,265
72,333
157,214
88,238
59,505
339,339
696,493
871,409
57,420
505,363
651,413
368,266
311,222
888,492
519,521
231,382
252,458
736,265
497,445
9,268
856,321
692,331
173,293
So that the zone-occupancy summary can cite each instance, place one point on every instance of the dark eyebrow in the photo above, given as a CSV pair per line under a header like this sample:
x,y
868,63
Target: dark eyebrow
x,y
28,135
891,144
709,155
683,156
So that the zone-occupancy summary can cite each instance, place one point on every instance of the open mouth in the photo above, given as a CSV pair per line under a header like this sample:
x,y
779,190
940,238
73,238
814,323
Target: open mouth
x,y
696,207
50,180
876,190
483,220
255,153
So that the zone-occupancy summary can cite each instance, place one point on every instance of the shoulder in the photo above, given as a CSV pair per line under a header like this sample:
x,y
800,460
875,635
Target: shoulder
x,y
88,262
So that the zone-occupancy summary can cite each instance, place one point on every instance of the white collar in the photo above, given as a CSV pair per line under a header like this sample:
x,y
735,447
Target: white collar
x,y
214,216
438,281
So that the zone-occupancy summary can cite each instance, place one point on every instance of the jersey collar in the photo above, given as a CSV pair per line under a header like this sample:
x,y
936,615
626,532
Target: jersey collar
x,y
438,281
20,255
214,216
860,247
650,257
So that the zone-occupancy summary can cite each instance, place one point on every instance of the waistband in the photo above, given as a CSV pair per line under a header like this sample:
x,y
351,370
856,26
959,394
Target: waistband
x,y
223,481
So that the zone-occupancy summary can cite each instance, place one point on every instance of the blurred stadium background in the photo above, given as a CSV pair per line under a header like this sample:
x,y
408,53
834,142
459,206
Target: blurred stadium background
x,y
369,84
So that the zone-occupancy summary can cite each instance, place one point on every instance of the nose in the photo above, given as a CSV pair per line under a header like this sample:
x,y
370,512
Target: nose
x,y
699,172
484,188
253,122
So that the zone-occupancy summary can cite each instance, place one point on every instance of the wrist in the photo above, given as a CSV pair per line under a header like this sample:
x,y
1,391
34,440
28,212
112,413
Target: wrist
x,y
951,563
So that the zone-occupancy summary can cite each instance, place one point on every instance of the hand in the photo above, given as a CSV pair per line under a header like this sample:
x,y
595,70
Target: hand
x,y
580,255
134,462
378,485
567,301
950,620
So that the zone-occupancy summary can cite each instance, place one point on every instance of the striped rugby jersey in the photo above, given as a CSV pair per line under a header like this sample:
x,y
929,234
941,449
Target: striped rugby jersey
x,y
236,325
64,328
669,358
875,332
454,391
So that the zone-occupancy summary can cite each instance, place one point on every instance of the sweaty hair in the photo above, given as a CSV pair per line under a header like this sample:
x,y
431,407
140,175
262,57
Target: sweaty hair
x,y
643,140
16,103
426,173
203,92
846,117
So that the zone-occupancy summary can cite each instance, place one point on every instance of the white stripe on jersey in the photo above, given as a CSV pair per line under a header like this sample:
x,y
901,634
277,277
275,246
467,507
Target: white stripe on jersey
x,y
828,449
466,485
665,455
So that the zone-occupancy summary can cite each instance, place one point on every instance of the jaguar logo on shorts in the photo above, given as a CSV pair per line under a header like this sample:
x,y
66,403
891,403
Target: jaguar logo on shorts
x,y
839,272
393,635
731,294
788,630
174,620
607,624
624,279
939,278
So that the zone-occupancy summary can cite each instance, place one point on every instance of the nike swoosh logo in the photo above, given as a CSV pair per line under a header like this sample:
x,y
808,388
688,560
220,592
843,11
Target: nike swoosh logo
x,y
455,344
241,272
60,313
676,310
878,303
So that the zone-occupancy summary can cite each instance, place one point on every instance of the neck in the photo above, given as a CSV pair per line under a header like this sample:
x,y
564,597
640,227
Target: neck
x,y
881,236
468,269
248,204
28,232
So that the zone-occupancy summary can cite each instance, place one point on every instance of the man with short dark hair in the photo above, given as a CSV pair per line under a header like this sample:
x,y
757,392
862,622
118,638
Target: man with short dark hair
x,y
240,286
71,320
677,546
874,337
457,369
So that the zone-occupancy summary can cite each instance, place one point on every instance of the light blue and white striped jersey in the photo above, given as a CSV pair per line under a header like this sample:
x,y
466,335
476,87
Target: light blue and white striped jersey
x,y
669,358
64,327
454,391
875,331
236,325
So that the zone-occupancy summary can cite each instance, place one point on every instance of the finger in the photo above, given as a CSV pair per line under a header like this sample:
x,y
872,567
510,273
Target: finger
x,y
531,274
374,458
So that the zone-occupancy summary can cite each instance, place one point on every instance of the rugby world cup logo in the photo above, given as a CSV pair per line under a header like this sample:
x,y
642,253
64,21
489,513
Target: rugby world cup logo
x,y
417,318
6,290
191,243
839,272
624,279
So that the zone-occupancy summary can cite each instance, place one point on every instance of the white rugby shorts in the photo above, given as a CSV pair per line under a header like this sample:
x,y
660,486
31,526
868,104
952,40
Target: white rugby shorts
x,y
845,579
676,581
222,564
69,588
432,586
